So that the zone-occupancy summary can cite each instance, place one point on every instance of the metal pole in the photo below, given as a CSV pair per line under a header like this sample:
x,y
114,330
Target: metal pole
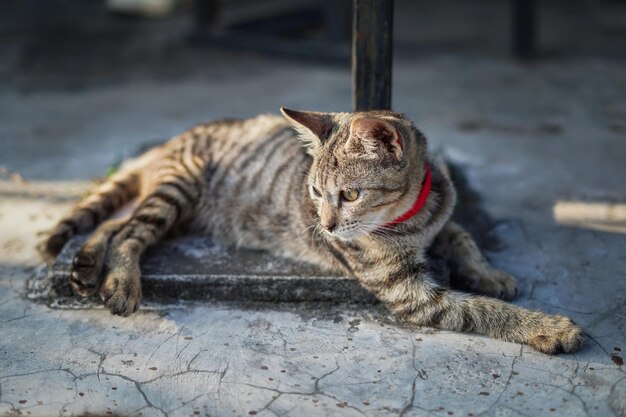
x,y
524,28
372,37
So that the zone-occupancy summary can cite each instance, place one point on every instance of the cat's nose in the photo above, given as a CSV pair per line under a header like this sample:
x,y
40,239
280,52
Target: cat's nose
x,y
329,226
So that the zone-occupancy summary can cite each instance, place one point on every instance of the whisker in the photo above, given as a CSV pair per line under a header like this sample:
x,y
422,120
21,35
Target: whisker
x,y
304,231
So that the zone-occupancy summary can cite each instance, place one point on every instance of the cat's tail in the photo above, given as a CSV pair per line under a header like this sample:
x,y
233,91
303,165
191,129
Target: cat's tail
x,y
100,204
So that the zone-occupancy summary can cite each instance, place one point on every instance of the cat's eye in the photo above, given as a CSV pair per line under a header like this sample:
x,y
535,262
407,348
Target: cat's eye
x,y
316,192
350,195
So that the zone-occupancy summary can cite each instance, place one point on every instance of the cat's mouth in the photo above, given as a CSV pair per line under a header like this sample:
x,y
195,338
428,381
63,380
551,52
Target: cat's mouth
x,y
346,234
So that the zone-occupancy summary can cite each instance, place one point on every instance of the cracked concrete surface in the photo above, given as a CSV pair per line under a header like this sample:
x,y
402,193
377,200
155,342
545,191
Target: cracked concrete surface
x,y
335,359
528,136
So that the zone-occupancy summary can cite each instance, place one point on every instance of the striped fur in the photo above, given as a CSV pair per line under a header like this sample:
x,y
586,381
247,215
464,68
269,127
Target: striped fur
x,y
250,183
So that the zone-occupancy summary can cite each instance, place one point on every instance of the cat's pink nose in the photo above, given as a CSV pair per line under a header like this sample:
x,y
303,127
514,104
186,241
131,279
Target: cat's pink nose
x,y
330,226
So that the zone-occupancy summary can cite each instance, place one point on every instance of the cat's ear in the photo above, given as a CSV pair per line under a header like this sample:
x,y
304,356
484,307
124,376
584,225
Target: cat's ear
x,y
313,127
375,138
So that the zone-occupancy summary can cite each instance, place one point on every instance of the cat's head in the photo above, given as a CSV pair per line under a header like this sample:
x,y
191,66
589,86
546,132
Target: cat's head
x,y
366,169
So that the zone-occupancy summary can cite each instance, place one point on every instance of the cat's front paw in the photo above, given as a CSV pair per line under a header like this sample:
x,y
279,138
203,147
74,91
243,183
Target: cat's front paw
x,y
86,268
121,292
556,334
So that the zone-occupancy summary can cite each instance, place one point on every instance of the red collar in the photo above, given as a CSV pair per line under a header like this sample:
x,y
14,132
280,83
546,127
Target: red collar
x,y
419,202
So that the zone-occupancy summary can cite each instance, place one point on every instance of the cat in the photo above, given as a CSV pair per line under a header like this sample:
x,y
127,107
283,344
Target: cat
x,y
350,192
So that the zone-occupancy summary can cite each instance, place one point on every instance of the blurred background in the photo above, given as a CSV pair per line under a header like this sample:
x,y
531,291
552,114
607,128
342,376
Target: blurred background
x,y
86,82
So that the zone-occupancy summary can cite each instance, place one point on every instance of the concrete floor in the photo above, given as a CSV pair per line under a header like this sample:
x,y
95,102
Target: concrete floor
x,y
543,143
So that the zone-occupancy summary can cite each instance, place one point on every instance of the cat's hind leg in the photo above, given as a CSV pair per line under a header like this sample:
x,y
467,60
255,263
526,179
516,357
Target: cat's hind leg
x,y
108,197
469,269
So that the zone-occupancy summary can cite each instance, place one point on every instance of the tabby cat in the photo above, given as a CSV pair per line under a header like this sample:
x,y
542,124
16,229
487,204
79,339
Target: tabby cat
x,y
361,197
